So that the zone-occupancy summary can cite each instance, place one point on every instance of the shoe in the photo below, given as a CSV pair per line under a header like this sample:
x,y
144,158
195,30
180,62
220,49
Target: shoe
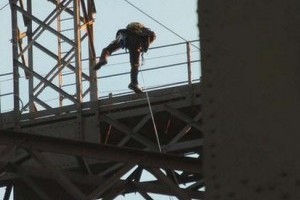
x,y
135,88
100,64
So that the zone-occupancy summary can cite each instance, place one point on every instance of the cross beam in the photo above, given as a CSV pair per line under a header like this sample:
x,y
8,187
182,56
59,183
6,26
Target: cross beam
x,y
99,151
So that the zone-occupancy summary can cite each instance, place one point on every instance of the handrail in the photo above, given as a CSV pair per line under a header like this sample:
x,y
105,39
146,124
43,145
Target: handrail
x,y
184,63
162,46
188,62
143,70
151,48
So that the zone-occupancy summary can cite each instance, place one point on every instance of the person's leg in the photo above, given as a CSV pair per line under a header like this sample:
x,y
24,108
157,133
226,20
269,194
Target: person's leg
x,y
135,63
106,52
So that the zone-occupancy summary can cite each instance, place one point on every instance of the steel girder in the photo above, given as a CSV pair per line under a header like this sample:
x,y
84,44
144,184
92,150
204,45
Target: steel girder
x,y
71,181
126,153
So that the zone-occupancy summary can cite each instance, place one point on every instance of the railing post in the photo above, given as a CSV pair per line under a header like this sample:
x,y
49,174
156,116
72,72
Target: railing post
x,y
189,65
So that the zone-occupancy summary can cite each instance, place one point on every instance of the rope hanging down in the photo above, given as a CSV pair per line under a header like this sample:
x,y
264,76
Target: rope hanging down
x,y
155,130
152,116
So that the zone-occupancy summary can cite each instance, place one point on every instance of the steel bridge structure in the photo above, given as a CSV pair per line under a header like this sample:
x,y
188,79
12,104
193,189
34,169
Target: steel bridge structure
x,y
234,136
84,145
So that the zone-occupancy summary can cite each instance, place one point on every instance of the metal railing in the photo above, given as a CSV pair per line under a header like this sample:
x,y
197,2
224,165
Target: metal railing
x,y
164,66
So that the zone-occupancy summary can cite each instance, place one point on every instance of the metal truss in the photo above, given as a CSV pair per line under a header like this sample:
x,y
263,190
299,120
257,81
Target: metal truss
x,y
80,147
180,134
35,170
119,163
46,48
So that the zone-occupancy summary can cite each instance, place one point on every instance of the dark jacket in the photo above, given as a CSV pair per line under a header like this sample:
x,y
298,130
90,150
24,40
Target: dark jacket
x,y
133,40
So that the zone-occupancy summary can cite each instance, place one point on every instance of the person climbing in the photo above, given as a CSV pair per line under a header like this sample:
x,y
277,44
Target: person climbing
x,y
136,38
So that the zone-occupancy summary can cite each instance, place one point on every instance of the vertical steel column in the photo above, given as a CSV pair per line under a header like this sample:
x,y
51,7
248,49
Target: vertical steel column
x,y
15,37
77,39
78,65
92,61
189,65
59,51
93,73
30,57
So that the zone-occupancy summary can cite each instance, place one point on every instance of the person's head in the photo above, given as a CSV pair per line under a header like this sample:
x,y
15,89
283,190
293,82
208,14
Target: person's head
x,y
135,27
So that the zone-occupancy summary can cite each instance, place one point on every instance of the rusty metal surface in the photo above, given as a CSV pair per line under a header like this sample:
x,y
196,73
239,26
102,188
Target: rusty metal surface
x,y
250,95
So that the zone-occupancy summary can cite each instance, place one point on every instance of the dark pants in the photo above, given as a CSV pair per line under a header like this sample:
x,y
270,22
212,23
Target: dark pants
x,y
134,46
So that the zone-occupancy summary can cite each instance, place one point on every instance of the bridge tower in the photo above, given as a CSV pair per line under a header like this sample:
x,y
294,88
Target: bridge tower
x,y
80,147
69,25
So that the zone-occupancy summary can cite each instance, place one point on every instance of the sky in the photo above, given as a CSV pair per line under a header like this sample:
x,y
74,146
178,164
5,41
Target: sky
x,y
179,16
